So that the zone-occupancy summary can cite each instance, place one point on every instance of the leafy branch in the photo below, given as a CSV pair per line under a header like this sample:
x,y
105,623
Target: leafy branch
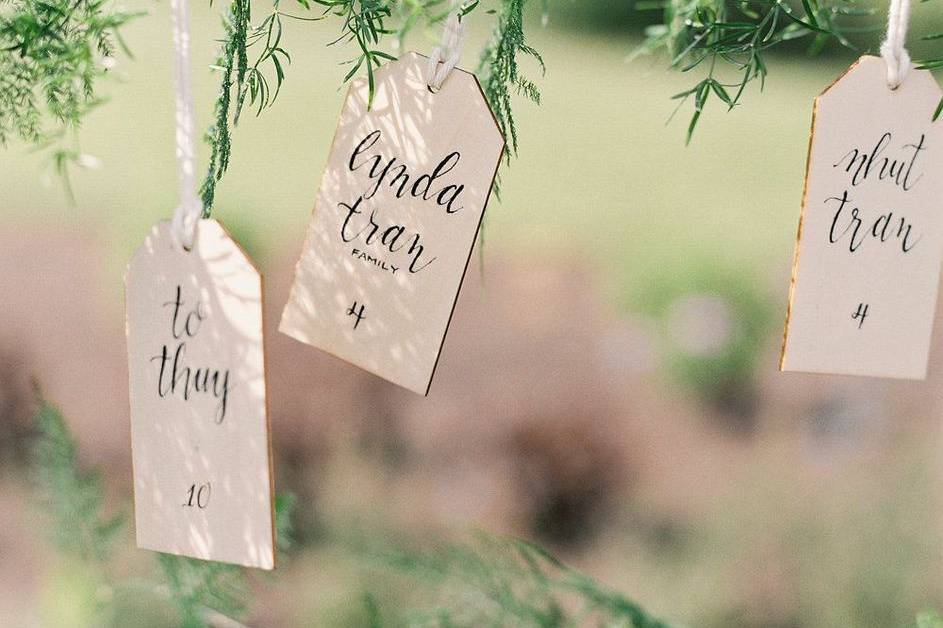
x,y
364,24
715,37
52,53
233,63
500,72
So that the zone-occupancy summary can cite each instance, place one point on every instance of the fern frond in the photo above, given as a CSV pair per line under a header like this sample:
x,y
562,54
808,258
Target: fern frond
x,y
73,499
498,582
499,70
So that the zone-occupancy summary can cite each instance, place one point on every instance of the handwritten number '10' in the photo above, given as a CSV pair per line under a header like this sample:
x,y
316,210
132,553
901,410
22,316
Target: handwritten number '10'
x,y
198,496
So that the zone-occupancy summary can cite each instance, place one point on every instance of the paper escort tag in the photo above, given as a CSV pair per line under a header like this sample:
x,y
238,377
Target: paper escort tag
x,y
199,427
394,223
867,261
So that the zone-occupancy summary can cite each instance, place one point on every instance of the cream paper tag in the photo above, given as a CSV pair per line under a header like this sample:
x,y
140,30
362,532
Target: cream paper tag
x,y
867,260
394,223
199,426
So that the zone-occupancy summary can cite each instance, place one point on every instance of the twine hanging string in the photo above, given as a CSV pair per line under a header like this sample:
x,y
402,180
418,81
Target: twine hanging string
x,y
892,48
446,55
188,212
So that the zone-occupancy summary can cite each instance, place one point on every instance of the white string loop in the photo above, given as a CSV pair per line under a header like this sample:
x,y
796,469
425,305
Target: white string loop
x,y
892,48
446,55
188,212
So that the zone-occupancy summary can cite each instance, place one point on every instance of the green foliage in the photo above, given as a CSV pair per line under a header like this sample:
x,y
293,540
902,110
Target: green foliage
x,y
504,582
200,589
256,85
52,52
233,64
73,498
492,581
929,619
716,37
202,592
363,25
499,71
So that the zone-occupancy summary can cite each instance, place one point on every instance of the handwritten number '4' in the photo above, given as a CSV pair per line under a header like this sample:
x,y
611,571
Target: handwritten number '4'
x,y
198,496
353,311
860,314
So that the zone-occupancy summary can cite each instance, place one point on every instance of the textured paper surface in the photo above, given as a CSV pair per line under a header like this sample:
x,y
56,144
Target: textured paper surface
x,y
868,252
395,221
199,430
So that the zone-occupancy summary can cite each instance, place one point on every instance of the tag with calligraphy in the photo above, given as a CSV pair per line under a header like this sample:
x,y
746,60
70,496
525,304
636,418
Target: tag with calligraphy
x,y
867,261
199,426
395,221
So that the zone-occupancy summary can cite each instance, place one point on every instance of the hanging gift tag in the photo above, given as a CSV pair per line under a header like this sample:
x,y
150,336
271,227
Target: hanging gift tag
x,y
199,430
867,258
395,221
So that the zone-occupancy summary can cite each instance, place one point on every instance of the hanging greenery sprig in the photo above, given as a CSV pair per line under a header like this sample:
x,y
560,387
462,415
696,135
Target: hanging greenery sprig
x,y
52,53
500,73
712,38
364,24
233,64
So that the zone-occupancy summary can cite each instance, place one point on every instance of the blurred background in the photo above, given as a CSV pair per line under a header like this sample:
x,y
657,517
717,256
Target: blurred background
x,y
609,387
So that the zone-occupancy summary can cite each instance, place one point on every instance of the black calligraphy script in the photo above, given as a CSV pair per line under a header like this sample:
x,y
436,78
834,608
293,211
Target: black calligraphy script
x,y
857,224
175,376
363,221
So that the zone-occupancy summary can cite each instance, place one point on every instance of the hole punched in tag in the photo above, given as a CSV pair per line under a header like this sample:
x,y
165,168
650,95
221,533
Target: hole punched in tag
x,y
184,225
187,248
